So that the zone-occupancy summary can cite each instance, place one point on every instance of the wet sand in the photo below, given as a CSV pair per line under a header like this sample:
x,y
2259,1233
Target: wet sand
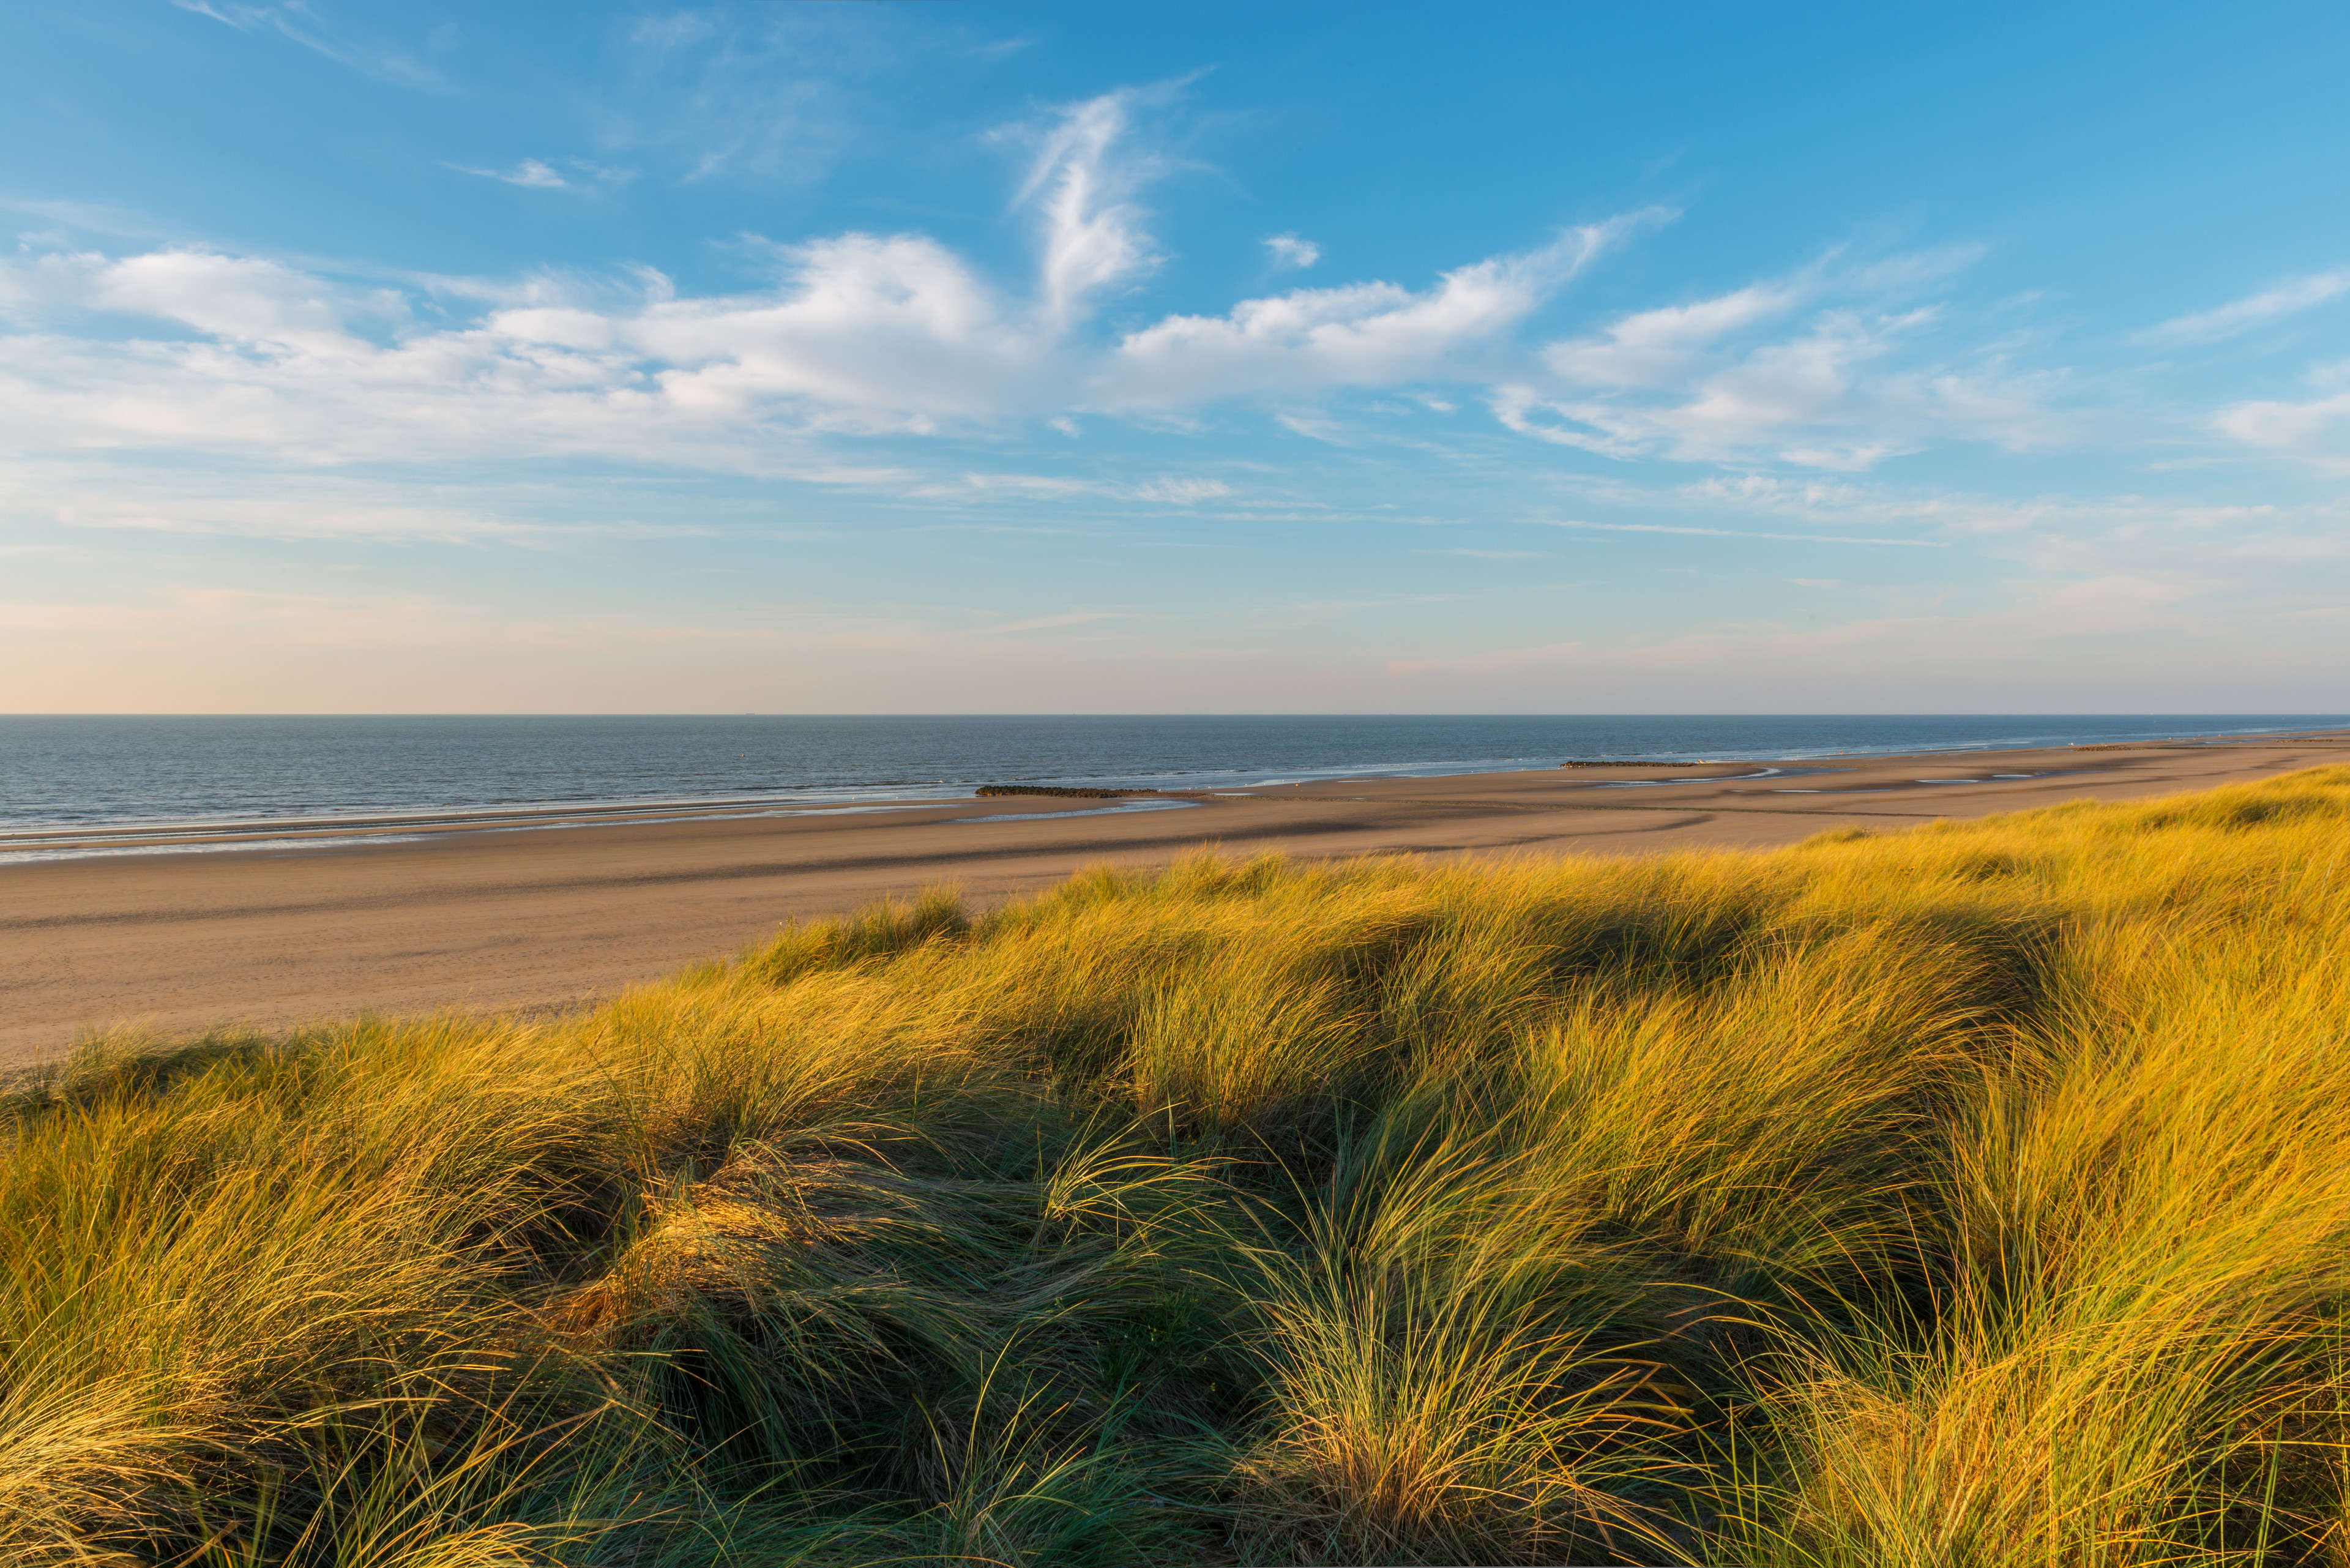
x,y
530,912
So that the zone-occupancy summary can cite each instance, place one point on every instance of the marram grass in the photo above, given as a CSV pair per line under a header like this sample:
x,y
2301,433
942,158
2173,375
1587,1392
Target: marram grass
x,y
1976,1195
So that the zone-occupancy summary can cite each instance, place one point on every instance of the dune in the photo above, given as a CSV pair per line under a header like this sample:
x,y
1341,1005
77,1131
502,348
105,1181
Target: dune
x,y
1919,1193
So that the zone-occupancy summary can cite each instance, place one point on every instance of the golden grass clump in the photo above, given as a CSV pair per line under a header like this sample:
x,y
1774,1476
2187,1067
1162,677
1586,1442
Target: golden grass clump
x,y
1979,1195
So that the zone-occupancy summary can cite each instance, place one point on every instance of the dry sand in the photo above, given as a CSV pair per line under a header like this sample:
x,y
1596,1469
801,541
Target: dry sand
x,y
526,915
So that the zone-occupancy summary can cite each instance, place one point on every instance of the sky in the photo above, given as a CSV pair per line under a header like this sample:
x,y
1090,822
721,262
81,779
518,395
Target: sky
x,y
995,358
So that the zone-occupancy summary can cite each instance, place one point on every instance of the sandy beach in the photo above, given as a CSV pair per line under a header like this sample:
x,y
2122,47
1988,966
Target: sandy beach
x,y
527,912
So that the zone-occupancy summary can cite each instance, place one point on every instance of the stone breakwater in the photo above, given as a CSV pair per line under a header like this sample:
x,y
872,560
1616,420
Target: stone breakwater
x,y
1633,763
1062,793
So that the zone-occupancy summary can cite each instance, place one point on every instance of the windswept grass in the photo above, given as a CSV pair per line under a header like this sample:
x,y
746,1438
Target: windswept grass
x,y
1978,1195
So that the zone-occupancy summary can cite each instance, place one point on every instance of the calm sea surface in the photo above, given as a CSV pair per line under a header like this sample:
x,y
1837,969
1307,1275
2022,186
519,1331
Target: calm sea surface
x,y
76,772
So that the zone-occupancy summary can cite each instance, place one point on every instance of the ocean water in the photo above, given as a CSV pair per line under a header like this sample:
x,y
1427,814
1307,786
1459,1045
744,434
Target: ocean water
x,y
95,772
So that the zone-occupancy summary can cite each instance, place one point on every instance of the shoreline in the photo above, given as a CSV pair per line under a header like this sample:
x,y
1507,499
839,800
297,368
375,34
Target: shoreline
x,y
331,923
29,843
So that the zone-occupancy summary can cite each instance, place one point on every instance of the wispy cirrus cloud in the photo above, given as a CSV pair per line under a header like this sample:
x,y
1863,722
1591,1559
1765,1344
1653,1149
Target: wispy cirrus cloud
x,y
296,505
2227,552
1929,652
731,97
1835,367
2254,310
530,173
1062,622
1083,182
300,22
779,95
1746,533
538,175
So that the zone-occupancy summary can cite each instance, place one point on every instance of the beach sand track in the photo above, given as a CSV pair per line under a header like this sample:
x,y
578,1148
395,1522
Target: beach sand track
x,y
463,917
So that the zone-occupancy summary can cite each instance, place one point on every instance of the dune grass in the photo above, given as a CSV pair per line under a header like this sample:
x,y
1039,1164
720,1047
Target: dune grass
x,y
1976,1195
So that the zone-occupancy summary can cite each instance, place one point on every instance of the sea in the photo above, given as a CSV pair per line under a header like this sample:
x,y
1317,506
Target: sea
x,y
97,773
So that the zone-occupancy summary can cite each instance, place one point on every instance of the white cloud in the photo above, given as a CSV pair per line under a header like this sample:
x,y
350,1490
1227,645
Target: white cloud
x,y
1311,426
1659,347
2319,428
1289,251
860,333
1044,486
2256,310
237,299
878,332
1369,334
1166,490
538,175
529,172
1182,492
866,334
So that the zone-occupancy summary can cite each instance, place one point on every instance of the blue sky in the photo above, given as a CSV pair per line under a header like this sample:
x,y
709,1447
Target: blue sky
x,y
1003,357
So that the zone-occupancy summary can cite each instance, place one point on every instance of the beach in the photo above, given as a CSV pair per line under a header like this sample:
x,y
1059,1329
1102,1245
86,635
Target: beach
x,y
172,932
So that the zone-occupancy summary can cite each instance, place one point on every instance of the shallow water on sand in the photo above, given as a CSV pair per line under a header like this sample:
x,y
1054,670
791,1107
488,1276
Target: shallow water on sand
x,y
95,770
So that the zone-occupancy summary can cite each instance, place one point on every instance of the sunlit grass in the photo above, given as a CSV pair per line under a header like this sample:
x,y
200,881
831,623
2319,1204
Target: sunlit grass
x,y
1975,1195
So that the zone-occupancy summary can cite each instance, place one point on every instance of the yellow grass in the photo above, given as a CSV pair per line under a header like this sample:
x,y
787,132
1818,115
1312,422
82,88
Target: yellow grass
x,y
1976,1195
